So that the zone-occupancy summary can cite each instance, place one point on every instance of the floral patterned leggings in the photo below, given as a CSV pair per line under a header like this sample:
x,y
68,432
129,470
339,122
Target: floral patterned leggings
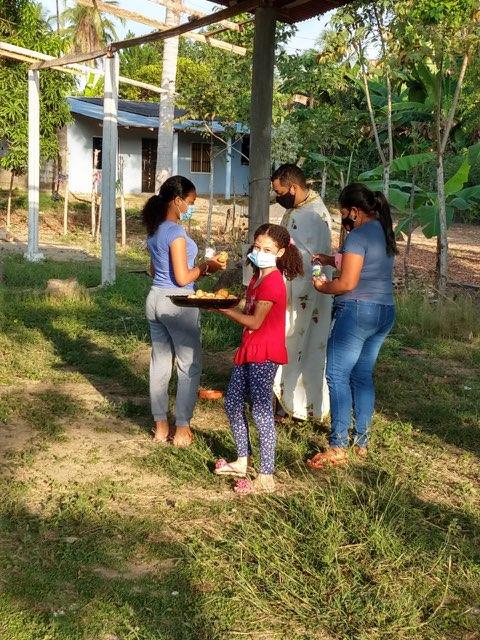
x,y
253,383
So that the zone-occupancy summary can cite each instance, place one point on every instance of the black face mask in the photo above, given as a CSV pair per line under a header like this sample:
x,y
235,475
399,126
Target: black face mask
x,y
348,223
287,201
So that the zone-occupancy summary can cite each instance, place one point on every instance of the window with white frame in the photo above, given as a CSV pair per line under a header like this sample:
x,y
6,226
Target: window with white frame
x,y
200,157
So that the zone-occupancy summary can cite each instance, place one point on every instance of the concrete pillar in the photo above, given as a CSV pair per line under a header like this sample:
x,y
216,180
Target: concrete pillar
x,y
261,117
166,114
175,154
228,169
32,254
109,169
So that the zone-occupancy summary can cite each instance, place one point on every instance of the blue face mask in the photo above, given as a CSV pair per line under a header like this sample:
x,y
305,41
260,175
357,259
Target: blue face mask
x,y
187,215
262,260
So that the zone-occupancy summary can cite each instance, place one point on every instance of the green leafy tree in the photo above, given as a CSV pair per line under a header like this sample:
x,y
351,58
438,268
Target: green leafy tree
x,y
286,143
330,120
25,26
87,28
369,28
440,40
142,63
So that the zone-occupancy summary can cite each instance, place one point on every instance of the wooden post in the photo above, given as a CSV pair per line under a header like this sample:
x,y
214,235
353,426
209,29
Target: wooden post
x,y
261,117
32,254
228,169
9,200
94,203
210,203
99,221
109,167
234,212
65,197
123,221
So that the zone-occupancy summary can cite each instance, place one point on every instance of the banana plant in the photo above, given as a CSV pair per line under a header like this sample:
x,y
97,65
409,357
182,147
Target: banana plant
x,y
399,194
420,207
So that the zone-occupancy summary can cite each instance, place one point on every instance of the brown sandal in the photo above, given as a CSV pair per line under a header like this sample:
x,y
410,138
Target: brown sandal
x,y
331,458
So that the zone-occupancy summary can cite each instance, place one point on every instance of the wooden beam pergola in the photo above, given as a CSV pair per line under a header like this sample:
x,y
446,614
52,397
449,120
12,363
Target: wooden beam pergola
x,y
240,7
179,7
162,26
15,52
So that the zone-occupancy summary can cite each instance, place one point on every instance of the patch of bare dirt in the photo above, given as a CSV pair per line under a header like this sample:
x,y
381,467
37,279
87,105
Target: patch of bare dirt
x,y
13,438
136,570
99,446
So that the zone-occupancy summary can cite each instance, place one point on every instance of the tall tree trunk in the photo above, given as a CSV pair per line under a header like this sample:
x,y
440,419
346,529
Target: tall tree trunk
x,y
166,113
9,200
406,255
386,168
383,159
323,189
386,179
442,272
349,170
387,160
442,140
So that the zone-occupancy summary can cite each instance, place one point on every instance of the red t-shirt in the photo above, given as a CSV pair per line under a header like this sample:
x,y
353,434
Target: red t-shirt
x,y
267,342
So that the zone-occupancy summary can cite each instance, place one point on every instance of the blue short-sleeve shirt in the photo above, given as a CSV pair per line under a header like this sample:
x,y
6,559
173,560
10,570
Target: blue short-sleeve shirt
x,y
376,277
159,247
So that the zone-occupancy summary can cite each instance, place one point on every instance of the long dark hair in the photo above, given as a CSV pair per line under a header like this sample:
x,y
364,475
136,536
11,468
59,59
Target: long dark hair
x,y
291,263
155,209
372,203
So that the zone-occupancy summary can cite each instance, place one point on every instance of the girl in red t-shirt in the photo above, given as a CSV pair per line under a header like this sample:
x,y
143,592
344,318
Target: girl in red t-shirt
x,y
261,351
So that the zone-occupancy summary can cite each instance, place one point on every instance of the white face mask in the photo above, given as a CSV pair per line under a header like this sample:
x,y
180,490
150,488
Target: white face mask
x,y
262,260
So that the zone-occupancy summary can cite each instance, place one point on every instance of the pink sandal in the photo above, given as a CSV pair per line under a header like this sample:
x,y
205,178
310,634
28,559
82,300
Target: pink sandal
x,y
243,486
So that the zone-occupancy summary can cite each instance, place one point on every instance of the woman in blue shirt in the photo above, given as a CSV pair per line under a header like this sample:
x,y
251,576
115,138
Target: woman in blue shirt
x,y
175,331
363,316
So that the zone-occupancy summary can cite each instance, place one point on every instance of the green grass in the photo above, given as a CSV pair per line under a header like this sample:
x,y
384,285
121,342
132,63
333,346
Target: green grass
x,y
161,550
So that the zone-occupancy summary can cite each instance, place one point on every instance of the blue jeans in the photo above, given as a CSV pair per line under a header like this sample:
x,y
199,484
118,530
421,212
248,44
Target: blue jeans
x,y
357,332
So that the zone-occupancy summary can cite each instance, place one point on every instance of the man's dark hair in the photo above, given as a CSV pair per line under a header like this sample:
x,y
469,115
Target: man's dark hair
x,y
290,174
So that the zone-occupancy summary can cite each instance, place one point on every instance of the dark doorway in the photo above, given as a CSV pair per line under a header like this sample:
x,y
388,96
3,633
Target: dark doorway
x,y
97,153
149,163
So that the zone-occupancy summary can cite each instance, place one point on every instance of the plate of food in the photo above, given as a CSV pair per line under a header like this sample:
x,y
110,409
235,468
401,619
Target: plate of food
x,y
220,299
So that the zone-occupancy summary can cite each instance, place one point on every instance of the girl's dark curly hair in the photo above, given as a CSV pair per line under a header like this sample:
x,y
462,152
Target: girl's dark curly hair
x,y
291,263
155,209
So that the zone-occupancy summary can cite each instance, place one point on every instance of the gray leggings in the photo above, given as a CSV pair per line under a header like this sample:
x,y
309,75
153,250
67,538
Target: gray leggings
x,y
175,333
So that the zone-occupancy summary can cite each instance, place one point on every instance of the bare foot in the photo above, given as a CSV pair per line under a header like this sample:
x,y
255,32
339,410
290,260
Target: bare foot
x,y
361,452
264,483
160,433
183,437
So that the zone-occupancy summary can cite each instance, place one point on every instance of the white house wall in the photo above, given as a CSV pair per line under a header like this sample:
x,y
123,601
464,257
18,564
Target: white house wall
x,y
130,143
79,139
240,173
80,144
